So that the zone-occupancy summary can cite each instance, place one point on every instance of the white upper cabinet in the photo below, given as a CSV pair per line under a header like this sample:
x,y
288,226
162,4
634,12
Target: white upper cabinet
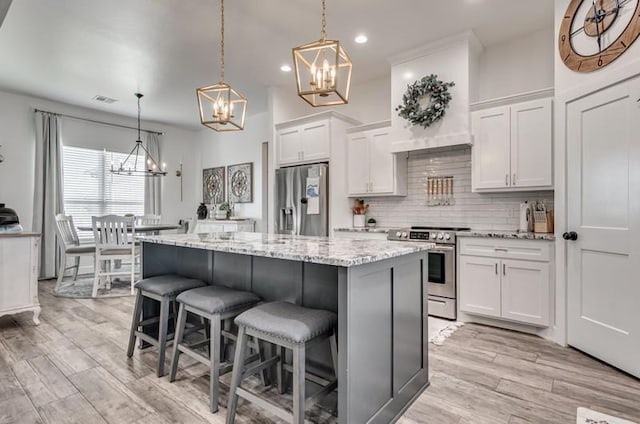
x,y
512,147
289,145
492,140
372,170
315,141
304,143
357,170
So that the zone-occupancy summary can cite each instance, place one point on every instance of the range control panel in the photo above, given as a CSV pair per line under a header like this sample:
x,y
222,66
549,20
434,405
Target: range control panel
x,y
434,236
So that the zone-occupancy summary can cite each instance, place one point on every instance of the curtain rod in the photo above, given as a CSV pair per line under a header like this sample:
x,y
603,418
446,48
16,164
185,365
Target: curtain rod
x,y
98,122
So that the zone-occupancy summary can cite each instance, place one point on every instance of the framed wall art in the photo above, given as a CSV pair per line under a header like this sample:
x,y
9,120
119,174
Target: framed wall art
x,y
213,185
240,183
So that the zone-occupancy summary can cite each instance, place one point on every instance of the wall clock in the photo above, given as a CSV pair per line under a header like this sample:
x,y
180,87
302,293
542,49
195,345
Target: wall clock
x,y
594,33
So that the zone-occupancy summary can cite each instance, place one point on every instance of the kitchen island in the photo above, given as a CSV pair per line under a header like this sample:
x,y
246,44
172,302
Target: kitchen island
x,y
376,287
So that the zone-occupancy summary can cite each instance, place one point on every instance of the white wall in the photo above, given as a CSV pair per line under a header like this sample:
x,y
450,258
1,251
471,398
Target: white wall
x,y
517,66
17,137
230,148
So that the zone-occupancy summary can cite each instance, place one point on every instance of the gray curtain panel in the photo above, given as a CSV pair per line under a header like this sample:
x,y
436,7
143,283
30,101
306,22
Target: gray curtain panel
x,y
153,185
49,198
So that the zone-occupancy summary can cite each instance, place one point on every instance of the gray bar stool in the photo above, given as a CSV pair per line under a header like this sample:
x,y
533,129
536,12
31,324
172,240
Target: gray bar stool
x,y
216,304
164,289
288,326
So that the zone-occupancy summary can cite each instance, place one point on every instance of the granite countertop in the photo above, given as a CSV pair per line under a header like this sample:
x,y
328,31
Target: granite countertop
x,y
506,234
380,230
319,250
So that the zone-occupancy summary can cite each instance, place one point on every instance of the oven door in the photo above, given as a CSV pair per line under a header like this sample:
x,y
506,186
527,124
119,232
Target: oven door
x,y
441,276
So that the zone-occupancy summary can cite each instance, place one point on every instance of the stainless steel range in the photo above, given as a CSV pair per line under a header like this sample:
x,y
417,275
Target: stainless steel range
x,y
441,278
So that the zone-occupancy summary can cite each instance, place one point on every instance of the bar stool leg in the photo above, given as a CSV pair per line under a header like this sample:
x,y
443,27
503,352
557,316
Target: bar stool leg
x,y
214,360
180,325
281,374
334,353
162,335
236,377
298,383
137,310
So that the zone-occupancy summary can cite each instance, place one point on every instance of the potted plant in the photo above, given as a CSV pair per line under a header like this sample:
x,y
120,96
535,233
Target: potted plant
x,y
223,211
359,210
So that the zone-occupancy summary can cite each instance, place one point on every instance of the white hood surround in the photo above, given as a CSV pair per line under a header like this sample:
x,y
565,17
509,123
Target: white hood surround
x,y
451,59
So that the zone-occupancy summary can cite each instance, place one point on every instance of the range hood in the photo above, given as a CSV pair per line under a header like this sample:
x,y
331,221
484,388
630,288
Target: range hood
x,y
451,59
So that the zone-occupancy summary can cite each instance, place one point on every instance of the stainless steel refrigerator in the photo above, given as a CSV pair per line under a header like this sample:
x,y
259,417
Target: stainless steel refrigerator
x,y
302,203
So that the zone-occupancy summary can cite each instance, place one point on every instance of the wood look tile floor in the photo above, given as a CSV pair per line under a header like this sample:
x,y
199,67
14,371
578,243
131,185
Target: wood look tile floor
x,y
73,369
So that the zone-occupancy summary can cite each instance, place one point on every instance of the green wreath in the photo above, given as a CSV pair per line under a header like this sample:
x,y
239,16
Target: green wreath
x,y
440,97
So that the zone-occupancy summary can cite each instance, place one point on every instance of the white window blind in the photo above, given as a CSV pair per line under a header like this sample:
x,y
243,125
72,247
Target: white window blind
x,y
91,190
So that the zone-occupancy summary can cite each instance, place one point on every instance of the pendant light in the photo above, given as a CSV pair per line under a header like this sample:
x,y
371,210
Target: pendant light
x,y
221,107
323,70
134,166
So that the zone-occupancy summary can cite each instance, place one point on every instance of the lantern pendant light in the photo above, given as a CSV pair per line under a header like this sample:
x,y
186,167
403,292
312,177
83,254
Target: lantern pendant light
x,y
323,70
221,107
130,165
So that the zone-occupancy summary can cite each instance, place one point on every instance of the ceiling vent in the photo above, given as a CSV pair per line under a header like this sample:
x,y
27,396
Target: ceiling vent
x,y
104,99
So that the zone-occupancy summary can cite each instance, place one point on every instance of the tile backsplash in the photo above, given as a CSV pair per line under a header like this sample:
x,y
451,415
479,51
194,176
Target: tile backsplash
x,y
491,211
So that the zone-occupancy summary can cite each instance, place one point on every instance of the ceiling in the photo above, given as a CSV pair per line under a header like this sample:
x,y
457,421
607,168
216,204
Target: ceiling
x,y
72,50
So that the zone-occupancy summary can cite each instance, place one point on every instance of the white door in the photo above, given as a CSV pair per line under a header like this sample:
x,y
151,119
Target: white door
x,y
315,141
525,291
491,148
357,164
289,146
480,285
382,163
531,144
603,200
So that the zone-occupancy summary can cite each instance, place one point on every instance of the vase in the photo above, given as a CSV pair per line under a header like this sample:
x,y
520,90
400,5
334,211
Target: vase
x,y
358,221
202,211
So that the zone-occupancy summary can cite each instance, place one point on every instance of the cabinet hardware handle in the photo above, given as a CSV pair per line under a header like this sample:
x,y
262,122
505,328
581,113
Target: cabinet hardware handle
x,y
500,249
514,179
506,179
504,269
496,268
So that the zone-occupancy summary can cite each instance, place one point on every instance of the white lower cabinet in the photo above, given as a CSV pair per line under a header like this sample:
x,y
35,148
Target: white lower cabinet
x,y
525,291
480,292
493,285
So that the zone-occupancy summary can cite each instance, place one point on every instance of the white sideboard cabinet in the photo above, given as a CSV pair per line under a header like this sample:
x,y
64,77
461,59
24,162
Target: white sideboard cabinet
x,y
19,265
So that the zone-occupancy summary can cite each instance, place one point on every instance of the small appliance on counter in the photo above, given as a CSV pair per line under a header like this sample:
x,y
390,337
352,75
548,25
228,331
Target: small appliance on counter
x,y
526,217
9,222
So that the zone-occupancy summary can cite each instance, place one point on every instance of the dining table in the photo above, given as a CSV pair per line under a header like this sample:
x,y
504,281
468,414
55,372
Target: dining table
x,y
141,228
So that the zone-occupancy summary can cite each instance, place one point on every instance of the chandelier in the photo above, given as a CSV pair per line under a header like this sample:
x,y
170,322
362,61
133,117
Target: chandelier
x,y
130,164
323,70
221,107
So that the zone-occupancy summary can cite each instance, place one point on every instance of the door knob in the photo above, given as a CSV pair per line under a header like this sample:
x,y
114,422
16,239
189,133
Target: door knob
x,y
571,235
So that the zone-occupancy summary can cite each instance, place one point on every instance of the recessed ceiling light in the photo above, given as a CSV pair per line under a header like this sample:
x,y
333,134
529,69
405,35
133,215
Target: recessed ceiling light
x,y
285,68
361,39
408,75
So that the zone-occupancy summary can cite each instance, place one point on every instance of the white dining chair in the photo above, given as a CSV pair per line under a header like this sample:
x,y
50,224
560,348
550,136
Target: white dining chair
x,y
70,245
115,241
148,219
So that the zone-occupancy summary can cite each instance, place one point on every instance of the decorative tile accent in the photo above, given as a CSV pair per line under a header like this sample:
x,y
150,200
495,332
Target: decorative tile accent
x,y
213,185
491,211
240,183
319,250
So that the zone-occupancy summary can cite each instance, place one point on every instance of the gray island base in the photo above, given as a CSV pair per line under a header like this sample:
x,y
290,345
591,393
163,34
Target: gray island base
x,y
376,287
